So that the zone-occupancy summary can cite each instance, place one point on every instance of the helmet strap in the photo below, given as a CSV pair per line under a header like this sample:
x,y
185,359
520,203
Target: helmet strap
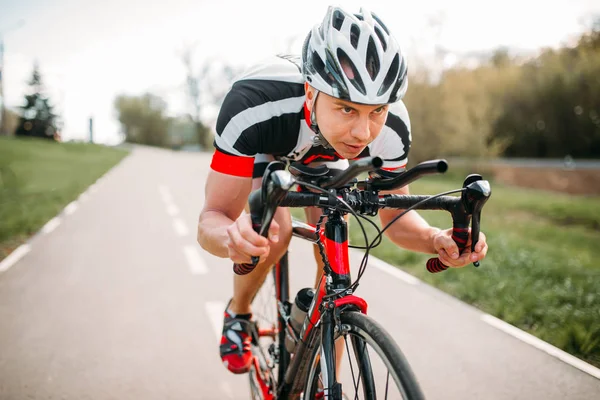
x,y
319,139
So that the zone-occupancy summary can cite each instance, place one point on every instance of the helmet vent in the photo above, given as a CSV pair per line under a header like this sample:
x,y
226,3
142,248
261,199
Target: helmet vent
x,y
319,67
338,20
376,18
381,38
354,35
372,61
390,78
350,71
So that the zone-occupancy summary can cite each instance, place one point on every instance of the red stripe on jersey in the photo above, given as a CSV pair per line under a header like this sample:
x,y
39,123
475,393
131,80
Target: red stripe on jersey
x,y
317,157
232,165
394,169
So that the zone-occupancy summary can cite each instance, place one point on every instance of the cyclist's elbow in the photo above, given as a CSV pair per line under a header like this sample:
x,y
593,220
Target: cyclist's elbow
x,y
201,232
199,237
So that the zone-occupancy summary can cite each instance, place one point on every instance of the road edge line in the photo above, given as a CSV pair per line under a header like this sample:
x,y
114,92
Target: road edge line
x,y
495,322
541,345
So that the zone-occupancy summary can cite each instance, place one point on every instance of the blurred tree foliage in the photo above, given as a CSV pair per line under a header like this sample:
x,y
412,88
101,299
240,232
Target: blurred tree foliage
x,y
143,119
207,86
37,118
548,106
554,110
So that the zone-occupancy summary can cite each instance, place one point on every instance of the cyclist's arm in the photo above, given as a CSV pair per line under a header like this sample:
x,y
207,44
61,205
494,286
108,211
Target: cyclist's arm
x,y
411,231
229,181
225,198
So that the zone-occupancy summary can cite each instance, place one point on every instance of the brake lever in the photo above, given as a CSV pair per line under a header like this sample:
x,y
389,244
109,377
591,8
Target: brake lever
x,y
464,213
278,183
477,193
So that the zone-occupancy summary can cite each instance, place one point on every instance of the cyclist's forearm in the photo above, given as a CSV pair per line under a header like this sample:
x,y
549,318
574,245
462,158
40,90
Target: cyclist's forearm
x,y
411,232
212,233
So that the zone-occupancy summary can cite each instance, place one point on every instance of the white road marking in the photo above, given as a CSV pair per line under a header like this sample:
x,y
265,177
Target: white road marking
x,y
165,194
167,198
71,208
195,261
180,227
83,196
541,345
391,270
93,188
14,257
172,210
215,309
51,225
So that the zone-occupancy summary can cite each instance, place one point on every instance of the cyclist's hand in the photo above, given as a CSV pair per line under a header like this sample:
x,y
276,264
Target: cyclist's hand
x,y
448,250
244,242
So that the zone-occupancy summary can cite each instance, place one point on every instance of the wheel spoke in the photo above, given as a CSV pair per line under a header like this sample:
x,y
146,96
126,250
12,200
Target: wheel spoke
x,y
351,369
381,369
264,309
387,383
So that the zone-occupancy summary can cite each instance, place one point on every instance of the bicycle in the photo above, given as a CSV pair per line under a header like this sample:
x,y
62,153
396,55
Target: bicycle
x,y
292,362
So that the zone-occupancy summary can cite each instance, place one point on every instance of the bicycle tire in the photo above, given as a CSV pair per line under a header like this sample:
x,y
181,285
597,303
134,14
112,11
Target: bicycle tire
x,y
365,330
272,355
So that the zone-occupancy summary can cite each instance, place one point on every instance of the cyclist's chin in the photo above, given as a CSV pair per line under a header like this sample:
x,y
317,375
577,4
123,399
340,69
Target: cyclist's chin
x,y
348,152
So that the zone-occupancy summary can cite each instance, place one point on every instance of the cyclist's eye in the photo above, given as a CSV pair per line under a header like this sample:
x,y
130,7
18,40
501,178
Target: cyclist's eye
x,y
379,110
347,110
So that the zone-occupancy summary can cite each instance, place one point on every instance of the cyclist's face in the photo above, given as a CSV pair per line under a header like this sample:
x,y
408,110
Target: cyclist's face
x,y
348,127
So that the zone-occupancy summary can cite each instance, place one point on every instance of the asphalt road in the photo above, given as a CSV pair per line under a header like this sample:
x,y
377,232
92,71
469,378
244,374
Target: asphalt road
x,y
117,301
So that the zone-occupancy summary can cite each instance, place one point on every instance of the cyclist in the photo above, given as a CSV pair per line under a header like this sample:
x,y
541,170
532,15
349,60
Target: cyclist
x,y
340,101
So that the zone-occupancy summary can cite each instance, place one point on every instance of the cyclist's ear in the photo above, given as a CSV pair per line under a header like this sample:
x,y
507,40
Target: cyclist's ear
x,y
310,95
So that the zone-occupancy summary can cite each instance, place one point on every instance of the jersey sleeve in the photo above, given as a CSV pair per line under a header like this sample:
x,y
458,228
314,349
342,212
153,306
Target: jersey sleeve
x,y
393,143
259,115
234,145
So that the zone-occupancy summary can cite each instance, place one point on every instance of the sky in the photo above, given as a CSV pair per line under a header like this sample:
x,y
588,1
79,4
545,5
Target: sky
x,y
90,52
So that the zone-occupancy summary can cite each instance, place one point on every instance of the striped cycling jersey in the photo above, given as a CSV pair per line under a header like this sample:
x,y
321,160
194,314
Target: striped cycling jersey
x,y
264,113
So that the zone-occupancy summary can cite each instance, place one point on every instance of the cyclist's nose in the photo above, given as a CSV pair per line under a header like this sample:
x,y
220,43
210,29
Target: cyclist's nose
x,y
361,129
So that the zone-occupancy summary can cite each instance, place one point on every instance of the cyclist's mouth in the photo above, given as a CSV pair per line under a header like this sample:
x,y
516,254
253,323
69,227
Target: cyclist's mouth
x,y
354,148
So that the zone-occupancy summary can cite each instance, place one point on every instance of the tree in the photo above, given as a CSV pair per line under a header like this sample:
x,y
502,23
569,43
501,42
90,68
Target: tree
x,y
194,94
206,87
143,119
37,118
553,110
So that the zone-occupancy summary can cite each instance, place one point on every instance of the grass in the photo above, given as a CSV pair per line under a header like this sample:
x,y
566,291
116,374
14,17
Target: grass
x,y
38,178
540,274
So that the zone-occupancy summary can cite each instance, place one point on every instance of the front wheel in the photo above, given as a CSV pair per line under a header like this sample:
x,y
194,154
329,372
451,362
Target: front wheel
x,y
372,367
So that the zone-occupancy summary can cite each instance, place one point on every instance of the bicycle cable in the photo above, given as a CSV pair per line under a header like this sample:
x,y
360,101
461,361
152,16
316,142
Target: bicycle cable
x,y
355,215
376,228
349,209
364,262
378,238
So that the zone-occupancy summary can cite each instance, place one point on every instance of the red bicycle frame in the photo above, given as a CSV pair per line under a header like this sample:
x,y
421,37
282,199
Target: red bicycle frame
x,y
334,241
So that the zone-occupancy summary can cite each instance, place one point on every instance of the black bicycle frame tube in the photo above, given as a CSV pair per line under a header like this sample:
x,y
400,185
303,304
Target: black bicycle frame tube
x,y
282,285
331,387
335,241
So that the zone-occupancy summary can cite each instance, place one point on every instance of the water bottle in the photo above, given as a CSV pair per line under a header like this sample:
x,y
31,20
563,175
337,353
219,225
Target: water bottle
x,y
300,307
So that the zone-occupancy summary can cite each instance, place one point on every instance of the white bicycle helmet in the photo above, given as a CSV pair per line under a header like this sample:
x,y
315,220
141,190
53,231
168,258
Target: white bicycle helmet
x,y
353,57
